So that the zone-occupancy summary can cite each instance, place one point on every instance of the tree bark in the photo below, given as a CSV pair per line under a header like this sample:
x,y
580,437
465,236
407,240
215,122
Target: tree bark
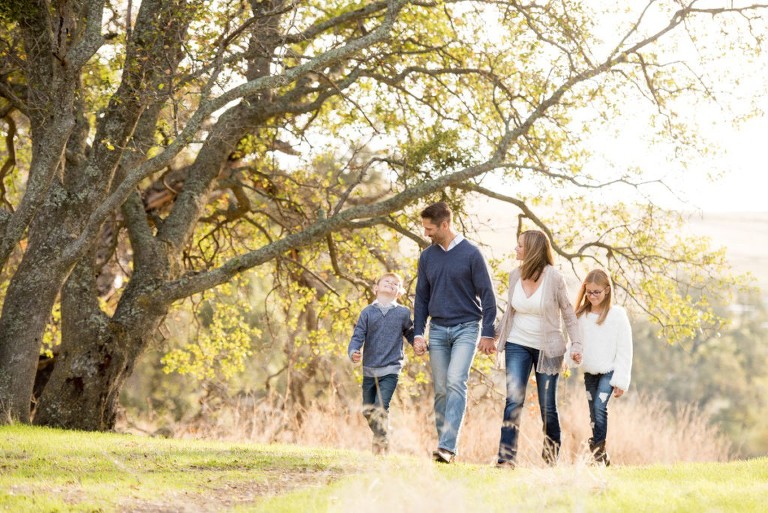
x,y
97,355
83,185
61,403
26,312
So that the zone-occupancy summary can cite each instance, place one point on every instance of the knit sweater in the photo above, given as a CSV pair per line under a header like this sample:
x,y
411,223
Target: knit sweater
x,y
381,331
557,312
454,287
608,346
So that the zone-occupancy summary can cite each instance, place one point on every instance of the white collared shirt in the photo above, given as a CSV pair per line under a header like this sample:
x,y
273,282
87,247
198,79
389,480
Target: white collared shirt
x,y
458,238
385,307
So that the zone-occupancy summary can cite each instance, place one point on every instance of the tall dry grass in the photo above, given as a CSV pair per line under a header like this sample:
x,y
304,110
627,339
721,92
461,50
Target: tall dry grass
x,y
642,429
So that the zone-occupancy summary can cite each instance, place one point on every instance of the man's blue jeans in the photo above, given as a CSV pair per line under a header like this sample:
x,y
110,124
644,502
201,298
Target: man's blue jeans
x,y
599,391
520,361
451,350
377,394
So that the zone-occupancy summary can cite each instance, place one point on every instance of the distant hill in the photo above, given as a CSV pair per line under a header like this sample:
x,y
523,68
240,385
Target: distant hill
x,y
744,235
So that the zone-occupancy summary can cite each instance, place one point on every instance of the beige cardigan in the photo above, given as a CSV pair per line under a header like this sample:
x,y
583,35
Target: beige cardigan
x,y
557,308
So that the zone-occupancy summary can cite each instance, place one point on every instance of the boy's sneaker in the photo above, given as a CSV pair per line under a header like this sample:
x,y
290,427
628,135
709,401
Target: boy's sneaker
x,y
442,455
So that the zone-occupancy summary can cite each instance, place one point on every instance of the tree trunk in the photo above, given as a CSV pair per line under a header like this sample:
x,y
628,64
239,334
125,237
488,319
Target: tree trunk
x,y
26,312
83,184
82,322
97,355
84,389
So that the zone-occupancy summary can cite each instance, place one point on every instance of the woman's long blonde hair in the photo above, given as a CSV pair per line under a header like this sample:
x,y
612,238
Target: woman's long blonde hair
x,y
537,253
601,279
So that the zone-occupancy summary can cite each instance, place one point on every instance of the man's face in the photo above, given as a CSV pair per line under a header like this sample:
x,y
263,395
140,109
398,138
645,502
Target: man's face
x,y
436,233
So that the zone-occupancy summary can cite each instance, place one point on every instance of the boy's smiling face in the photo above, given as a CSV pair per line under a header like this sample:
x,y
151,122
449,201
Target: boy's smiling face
x,y
387,289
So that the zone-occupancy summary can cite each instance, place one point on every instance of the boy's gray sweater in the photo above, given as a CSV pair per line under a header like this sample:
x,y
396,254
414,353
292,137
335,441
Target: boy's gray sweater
x,y
381,330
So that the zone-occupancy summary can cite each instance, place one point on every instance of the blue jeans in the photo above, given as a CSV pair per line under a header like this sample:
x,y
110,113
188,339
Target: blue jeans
x,y
451,350
520,361
599,391
377,394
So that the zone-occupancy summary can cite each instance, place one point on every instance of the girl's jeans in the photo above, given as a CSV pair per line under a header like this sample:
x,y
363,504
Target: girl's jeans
x,y
599,391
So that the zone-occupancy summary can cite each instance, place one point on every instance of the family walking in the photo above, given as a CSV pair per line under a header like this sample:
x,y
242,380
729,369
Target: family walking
x,y
455,311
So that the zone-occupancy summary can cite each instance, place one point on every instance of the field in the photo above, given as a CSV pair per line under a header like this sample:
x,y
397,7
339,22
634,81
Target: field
x,y
46,470
245,460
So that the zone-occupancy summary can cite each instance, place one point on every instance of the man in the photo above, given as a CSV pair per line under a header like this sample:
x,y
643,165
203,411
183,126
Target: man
x,y
454,289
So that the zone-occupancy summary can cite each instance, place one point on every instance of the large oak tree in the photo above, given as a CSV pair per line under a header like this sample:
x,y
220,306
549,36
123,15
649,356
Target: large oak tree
x,y
194,127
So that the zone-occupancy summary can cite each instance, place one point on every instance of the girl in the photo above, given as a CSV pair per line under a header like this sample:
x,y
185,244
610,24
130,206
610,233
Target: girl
x,y
607,354
531,337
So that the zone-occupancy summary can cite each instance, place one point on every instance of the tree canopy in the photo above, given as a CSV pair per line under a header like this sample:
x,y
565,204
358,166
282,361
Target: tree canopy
x,y
155,150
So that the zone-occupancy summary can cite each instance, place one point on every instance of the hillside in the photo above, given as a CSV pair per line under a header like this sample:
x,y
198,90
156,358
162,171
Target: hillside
x,y
54,470
744,235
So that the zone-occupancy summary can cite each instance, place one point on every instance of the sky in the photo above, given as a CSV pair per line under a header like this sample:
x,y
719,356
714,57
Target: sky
x,y
744,187
740,159
732,180
743,184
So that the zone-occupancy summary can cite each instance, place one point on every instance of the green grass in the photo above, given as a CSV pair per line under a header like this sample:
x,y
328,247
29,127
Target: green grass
x,y
47,470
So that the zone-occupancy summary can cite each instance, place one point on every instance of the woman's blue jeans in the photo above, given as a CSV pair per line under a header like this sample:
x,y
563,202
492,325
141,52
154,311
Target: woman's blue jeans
x,y
599,391
520,360
451,350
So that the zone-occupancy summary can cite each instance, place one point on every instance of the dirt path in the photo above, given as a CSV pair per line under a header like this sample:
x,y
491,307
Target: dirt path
x,y
224,496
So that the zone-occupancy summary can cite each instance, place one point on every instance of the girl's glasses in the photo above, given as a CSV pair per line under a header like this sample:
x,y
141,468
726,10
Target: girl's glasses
x,y
595,292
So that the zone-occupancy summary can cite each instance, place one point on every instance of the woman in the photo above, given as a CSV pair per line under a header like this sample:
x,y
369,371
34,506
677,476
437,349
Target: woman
x,y
531,337
607,354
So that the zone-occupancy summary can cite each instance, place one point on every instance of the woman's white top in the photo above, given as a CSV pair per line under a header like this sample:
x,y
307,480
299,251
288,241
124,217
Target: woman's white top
x,y
526,325
607,346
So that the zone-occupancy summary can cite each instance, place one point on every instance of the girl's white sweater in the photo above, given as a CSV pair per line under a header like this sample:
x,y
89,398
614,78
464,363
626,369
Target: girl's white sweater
x,y
608,346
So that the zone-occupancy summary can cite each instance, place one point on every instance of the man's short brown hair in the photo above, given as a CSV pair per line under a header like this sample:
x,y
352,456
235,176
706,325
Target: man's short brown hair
x,y
437,213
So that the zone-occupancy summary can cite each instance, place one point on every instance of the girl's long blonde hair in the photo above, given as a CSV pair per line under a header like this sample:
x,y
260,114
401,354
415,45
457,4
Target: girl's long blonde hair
x,y
601,279
537,253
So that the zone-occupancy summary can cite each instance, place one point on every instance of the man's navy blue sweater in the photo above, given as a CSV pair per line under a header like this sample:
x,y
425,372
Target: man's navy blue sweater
x,y
454,287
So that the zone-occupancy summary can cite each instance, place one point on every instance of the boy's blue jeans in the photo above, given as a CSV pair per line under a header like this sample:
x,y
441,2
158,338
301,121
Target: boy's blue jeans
x,y
377,394
599,391
451,350
520,360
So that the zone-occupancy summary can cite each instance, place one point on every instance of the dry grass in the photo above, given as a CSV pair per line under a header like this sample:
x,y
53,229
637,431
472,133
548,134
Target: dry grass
x,y
642,430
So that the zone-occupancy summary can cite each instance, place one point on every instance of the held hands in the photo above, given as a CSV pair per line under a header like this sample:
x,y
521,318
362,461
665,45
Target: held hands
x,y
356,357
487,345
419,346
576,357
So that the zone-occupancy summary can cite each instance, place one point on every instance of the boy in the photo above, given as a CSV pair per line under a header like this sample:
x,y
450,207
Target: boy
x,y
381,328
